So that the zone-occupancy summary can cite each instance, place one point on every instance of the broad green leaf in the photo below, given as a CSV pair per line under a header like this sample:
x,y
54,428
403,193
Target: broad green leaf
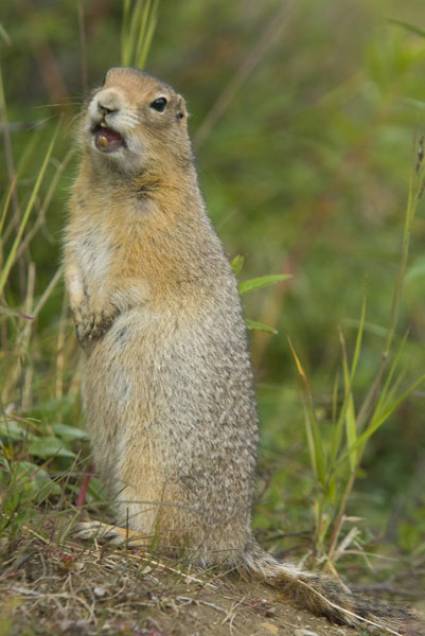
x,y
14,430
69,432
49,447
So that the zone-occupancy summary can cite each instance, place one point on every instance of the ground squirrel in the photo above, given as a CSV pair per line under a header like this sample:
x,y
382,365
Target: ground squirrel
x,y
168,387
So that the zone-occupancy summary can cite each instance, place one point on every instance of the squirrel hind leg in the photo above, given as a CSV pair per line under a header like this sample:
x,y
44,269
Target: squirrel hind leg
x,y
106,533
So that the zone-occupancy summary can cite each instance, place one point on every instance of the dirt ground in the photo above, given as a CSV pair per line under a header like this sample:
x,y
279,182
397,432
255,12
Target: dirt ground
x,y
70,589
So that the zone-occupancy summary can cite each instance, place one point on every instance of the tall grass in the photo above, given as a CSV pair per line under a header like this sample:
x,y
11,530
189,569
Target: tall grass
x,y
40,454
337,448
138,28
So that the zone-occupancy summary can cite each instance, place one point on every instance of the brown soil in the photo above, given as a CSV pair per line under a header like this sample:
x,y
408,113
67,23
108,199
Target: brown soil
x,y
71,589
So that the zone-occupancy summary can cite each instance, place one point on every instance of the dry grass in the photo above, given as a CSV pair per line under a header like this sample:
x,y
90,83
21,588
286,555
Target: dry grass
x,y
49,587
51,584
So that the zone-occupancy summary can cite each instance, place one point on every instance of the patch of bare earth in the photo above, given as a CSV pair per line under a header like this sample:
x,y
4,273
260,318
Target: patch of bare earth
x,y
46,588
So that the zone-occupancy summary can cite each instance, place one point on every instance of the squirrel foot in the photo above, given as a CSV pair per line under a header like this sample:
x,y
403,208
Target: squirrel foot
x,y
106,533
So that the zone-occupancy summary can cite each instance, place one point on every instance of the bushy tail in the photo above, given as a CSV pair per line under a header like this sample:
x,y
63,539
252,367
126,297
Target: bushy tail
x,y
325,597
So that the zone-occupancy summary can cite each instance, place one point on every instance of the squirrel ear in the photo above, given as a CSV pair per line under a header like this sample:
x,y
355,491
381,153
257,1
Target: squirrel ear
x,y
181,110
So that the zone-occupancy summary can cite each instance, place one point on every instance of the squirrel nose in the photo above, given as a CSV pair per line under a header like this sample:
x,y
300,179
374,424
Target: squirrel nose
x,y
107,102
106,110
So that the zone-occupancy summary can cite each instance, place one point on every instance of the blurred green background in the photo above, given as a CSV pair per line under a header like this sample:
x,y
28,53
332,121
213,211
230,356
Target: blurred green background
x,y
305,118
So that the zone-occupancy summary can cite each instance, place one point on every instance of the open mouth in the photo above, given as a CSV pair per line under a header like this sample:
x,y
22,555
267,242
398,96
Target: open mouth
x,y
106,139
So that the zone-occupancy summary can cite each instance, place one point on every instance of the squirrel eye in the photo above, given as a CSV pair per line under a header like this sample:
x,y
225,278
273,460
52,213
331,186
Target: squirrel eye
x,y
159,104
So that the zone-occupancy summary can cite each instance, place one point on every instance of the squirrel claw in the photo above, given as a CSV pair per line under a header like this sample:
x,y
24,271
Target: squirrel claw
x,y
105,533
93,327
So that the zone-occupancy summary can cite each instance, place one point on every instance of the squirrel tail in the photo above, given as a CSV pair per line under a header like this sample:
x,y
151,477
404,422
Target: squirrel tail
x,y
322,596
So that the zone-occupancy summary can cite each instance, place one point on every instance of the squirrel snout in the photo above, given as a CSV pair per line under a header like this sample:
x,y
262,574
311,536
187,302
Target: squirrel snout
x,y
104,103
105,110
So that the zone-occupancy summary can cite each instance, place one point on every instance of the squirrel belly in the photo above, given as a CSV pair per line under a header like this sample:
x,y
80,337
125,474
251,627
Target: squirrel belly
x,y
178,455
168,388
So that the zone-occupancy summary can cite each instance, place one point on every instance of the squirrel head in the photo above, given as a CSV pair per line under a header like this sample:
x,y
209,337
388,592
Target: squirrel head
x,y
136,124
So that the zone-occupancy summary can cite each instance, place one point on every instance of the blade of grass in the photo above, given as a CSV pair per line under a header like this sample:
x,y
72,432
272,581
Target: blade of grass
x,y
24,220
408,27
151,23
255,325
380,417
138,28
23,162
318,456
261,281
350,416
124,30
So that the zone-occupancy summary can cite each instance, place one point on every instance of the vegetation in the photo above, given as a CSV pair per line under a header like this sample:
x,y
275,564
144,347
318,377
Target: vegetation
x,y
307,121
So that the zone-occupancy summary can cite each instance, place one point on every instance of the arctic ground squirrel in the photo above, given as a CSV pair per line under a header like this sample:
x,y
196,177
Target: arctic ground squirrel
x,y
168,385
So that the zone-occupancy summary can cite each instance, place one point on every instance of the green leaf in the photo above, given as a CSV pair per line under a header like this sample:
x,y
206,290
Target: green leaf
x,y
255,325
237,264
49,447
261,281
14,430
69,432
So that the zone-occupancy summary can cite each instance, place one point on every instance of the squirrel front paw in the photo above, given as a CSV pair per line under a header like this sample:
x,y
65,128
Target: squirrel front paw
x,y
92,326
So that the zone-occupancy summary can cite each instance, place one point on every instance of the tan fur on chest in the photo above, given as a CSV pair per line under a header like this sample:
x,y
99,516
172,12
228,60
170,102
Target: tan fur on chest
x,y
118,237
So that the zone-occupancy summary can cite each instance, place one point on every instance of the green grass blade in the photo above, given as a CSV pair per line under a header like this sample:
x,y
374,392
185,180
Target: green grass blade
x,y
359,340
261,281
380,417
25,217
142,29
27,153
124,33
408,27
389,384
316,445
256,325
150,31
138,27
348,407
